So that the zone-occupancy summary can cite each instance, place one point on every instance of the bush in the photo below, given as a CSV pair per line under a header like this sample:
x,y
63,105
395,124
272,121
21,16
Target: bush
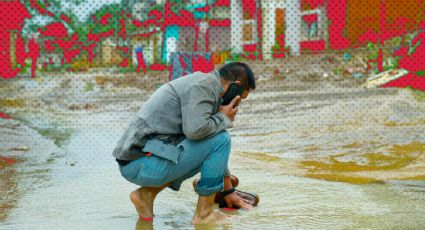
x,y
81,65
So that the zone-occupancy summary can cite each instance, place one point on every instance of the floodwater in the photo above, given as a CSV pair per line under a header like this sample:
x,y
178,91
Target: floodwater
x,y
320,156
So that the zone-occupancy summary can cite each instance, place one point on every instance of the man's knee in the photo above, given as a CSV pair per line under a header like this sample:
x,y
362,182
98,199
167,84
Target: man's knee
x,y
223,138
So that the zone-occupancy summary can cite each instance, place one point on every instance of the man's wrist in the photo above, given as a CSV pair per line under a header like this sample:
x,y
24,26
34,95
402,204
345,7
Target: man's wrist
x,y
228,192
227,122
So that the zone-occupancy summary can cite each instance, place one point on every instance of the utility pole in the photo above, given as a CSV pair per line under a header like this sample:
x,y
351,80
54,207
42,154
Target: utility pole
x,y
126,9
208,28
325,25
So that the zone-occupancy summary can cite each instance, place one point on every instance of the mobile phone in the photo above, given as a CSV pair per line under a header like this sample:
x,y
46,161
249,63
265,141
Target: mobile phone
x,y
231,92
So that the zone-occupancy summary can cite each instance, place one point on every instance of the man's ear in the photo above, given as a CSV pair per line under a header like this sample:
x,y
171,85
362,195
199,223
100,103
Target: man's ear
x,y
238,82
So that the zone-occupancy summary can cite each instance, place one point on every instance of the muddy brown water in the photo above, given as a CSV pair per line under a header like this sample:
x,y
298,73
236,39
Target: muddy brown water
x,y
321,156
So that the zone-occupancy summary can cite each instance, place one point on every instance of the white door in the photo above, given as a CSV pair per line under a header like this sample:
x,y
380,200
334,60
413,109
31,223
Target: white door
x,y
171,46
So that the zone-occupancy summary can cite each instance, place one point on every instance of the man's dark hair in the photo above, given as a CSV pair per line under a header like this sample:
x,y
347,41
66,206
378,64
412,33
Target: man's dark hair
x,y
238,71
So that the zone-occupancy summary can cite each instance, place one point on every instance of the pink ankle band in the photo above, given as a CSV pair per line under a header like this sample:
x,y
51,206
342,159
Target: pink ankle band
x,y
148,219
229,209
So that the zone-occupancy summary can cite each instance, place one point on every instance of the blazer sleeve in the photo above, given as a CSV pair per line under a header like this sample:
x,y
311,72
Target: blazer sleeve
x,y
198,120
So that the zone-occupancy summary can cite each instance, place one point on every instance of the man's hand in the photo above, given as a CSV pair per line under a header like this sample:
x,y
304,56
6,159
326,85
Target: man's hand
x,y
234,200
231,109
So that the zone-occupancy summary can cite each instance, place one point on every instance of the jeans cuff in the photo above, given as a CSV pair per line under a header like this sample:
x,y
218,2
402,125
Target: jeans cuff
x,y
207,191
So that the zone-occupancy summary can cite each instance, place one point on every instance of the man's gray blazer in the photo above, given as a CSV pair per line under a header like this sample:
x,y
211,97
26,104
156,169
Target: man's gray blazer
x,y
184,108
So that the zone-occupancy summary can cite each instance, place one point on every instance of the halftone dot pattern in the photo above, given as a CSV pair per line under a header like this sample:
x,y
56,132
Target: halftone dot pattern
x,y
331,138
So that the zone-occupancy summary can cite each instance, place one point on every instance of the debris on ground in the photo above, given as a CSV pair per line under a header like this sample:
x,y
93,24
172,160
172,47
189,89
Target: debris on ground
x,y
347,57
384,77
5,116
21,148
357,75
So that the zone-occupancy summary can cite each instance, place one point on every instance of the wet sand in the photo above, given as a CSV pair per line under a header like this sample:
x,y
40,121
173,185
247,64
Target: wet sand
x,y
321,153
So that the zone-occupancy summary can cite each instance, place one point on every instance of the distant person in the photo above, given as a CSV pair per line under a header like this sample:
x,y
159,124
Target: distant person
x,y
181,131
141,64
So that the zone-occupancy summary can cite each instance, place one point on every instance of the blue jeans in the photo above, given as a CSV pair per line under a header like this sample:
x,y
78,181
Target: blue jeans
x,y
209,156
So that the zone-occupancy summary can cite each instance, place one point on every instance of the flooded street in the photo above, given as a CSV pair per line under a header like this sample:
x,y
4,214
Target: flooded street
x,y
320,154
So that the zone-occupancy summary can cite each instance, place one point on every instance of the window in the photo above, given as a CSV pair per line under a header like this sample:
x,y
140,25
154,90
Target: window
x,y
249,30
310,25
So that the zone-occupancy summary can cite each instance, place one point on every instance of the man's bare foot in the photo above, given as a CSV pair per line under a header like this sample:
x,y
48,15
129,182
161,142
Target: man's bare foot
x,y
143,202
143,199
205,211
214,217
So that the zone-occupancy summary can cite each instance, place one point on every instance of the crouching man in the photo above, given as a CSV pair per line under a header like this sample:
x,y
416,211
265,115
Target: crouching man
x,y
181,131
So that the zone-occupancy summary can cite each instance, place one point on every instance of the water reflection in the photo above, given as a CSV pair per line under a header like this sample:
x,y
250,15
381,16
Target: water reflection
x,y
144,225
8,191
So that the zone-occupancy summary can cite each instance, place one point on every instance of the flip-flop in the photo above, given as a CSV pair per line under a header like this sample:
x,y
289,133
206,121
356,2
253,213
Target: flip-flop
x,y
229,209
252,199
